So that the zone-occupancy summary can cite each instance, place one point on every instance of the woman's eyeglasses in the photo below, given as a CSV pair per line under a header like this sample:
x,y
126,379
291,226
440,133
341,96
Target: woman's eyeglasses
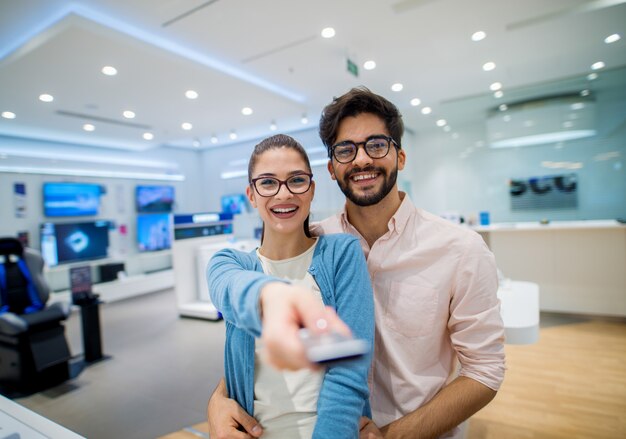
x,y
270,186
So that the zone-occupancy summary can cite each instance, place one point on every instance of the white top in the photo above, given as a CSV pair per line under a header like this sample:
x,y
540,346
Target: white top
x,y
285,402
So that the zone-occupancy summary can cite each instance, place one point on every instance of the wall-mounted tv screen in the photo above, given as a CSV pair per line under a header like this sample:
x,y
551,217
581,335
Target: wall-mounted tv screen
x,y
154,231
71,242
71,199
154,198
235,203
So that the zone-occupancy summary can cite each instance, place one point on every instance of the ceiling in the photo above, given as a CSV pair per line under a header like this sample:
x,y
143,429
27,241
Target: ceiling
x,y
268,55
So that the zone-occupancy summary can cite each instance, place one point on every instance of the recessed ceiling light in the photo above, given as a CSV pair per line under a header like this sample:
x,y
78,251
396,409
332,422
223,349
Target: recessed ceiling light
x,y
592,76
214,139
441,122
397,87
89,127
447,128
191,94
415,102
427,110
109,70
498,94
477,36
612,38
328,32
584,92
273,126
495,86
577,106
129,114
196,143
304,119
489,66
148,136
186,126
8,115
246,111
597,65
503,107
232,135
369,65
46,97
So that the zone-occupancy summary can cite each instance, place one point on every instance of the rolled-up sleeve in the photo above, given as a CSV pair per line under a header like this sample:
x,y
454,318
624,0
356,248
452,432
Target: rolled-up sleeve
x,y
475,323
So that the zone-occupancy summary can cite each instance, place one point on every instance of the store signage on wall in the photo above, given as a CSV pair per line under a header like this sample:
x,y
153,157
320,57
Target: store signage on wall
x,y
19,200
547,192
353,68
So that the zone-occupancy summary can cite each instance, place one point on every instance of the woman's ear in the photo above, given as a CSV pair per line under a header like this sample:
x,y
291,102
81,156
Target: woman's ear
x,y
251,196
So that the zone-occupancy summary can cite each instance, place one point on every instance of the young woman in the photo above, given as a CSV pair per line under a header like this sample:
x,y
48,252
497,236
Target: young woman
x,y
329,270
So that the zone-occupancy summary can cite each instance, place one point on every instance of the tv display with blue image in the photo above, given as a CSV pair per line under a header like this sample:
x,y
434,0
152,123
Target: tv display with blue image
x,y
154,198
235,203
72,242
154,231
71,199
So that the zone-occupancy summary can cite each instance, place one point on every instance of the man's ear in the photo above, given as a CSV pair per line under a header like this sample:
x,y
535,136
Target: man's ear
x,y
251,196
331,170
401,159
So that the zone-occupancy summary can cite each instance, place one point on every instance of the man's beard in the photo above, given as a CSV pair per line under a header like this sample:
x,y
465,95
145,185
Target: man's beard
x,y
375,198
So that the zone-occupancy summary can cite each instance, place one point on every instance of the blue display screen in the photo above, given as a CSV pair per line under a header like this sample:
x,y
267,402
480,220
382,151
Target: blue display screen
x,y
71,199
237,203
155,198
74,241
154,231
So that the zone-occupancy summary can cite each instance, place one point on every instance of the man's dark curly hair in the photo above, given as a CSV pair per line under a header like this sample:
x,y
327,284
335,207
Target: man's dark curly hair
x,y
357,101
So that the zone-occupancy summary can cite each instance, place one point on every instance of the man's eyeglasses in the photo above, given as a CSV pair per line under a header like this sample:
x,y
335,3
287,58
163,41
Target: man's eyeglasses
x,y
376,147
270,186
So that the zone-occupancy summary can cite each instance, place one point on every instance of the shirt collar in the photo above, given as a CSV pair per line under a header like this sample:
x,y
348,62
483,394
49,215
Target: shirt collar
x,y
398,221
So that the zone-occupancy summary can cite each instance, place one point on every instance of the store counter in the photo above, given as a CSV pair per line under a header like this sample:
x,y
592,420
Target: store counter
x,y
17,421
580,266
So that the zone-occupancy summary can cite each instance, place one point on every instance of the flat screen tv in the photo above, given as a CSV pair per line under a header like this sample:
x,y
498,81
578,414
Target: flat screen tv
x,y
71,199
154,231
235,203
72,242
152,199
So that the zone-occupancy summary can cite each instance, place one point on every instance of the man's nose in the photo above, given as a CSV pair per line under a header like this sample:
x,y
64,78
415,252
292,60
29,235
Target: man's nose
x,y
362,159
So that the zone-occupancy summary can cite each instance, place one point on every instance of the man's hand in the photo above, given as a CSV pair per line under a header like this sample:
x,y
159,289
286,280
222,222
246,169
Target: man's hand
x,y
227,419
285,309
368,430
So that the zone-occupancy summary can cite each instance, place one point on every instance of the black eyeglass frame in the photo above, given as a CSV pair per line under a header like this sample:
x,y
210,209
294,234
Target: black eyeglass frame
x,y
389,140
282,182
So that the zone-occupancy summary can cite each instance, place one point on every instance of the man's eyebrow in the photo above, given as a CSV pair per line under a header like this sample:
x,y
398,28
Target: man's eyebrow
x,y
371,136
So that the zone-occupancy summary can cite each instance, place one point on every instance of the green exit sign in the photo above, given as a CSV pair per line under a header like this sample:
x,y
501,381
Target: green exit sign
x,y
352,68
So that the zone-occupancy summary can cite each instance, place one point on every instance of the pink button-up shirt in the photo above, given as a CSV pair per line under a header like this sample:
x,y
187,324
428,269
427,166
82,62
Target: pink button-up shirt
x,y
435,302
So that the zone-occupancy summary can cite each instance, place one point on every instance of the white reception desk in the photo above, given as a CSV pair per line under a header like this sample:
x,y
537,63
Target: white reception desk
x,y
580,266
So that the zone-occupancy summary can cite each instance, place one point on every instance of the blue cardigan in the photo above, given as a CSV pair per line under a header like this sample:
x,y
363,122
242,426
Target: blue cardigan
x,y
339,268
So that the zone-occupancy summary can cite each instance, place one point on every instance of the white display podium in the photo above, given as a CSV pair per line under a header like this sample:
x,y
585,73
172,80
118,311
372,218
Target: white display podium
x,y
190,258
519,307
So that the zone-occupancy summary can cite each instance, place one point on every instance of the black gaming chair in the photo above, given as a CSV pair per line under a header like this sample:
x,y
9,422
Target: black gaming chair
x,y
33,350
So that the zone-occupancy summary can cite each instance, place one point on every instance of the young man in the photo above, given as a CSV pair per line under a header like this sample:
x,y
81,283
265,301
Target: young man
x,y
434,287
